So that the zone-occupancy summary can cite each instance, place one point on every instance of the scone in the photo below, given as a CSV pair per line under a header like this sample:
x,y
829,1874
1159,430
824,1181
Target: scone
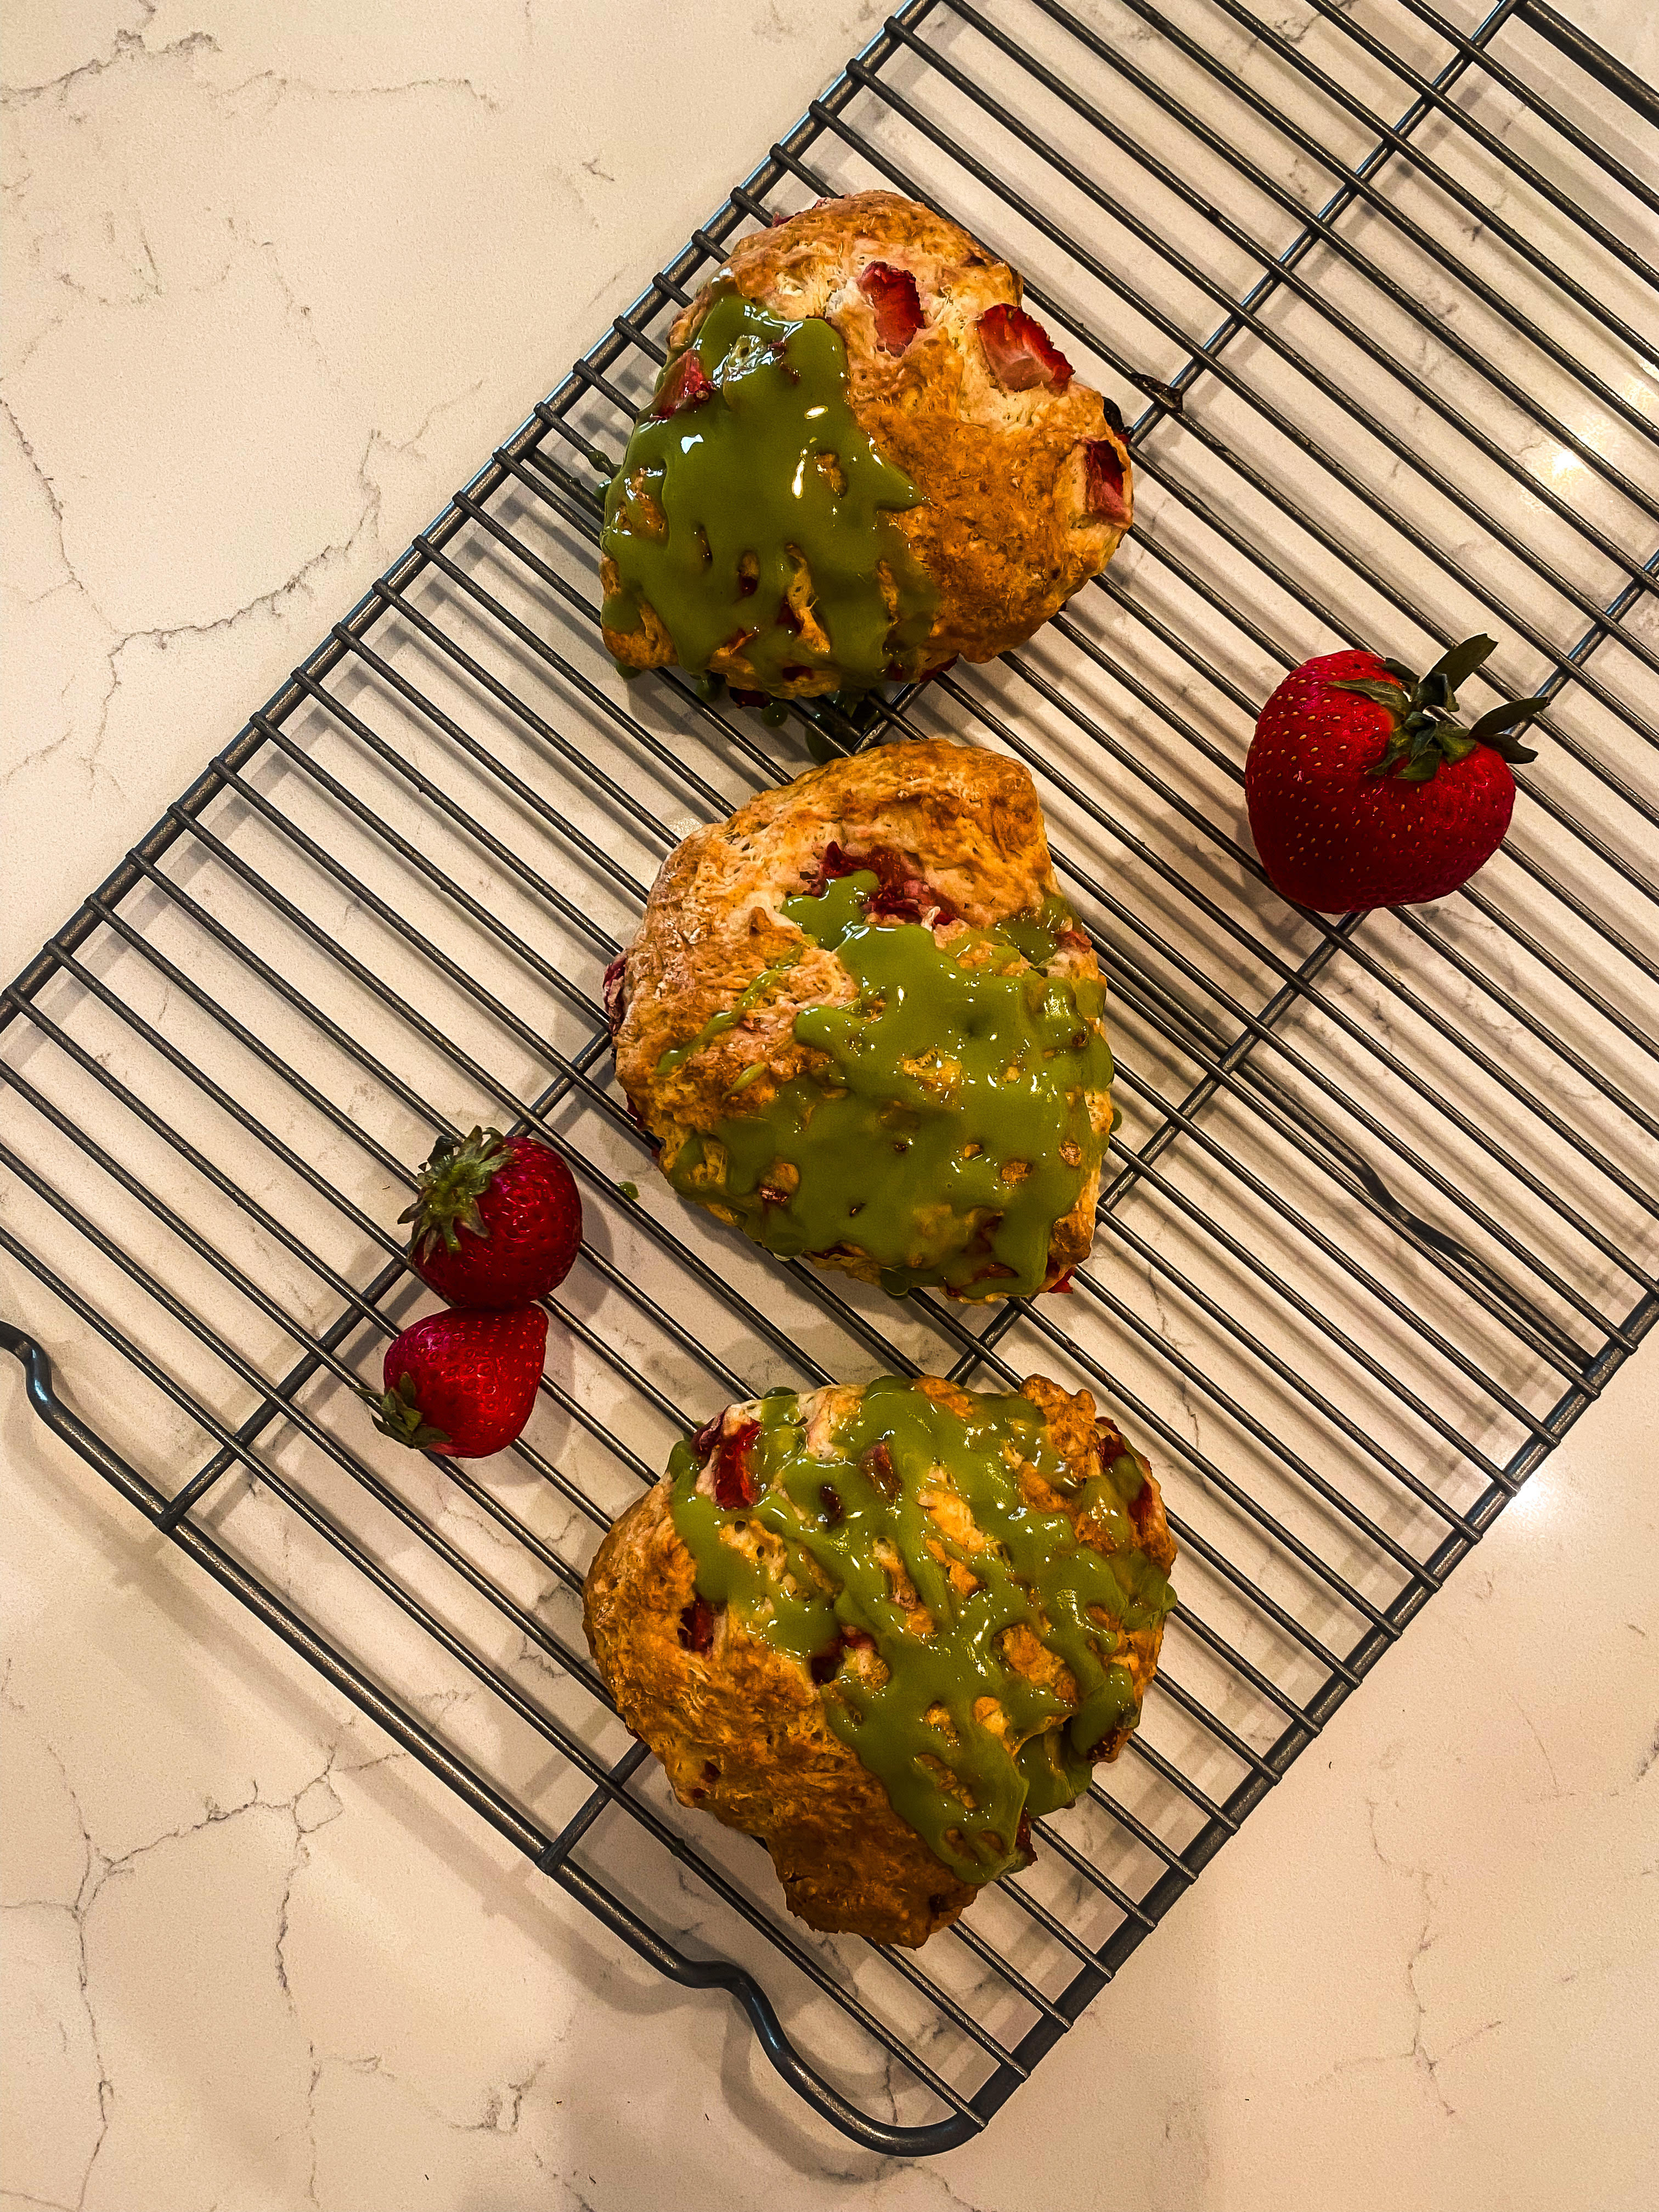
x,y
882,1628
863,459
864,1028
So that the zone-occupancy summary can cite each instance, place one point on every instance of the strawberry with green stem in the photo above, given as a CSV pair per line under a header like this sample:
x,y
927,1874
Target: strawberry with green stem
x,y
462,1384
1364,789
497,1220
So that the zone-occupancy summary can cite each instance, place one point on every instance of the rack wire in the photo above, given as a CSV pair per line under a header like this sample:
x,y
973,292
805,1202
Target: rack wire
x,y
1382,1218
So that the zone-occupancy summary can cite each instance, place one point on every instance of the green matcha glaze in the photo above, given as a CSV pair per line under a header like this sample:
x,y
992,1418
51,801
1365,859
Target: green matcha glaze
x,y
773,465
958,1784
728,1018
944,1069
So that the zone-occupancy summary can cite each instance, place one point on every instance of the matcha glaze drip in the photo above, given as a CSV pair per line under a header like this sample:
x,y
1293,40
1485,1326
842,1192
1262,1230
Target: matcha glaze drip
x,y
752,512
947,1129
966,1743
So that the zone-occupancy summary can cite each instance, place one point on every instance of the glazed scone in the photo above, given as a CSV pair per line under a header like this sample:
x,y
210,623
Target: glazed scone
x,y
864,1027
862,458
882,1628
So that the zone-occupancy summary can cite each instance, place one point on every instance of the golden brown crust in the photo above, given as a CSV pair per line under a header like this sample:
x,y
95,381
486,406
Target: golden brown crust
x,y
971,822
1004,533
741,1731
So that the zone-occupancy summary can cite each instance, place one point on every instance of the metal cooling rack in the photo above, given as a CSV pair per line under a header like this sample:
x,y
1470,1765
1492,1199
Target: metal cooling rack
x,y
1380,1220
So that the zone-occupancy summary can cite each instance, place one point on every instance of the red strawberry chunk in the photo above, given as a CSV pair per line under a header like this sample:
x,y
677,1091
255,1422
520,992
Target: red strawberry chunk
x,y
892,293
1103,476
1021,353
900,894
616,994
877,1464
737,1479
697,1626
686,385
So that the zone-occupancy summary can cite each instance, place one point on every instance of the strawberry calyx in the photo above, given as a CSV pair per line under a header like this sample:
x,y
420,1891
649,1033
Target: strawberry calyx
x,y
1425,735
457,1173
397,1415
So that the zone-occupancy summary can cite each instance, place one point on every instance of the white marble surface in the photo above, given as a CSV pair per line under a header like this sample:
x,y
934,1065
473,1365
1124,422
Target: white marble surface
x,y
276,275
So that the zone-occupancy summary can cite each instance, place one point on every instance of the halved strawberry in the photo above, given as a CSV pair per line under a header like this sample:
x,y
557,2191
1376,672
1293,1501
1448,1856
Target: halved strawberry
x,y
1020,352
684,384
1103,476
892,293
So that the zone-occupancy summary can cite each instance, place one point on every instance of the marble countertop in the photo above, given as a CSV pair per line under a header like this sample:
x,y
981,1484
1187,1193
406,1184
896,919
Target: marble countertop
x,y
276,276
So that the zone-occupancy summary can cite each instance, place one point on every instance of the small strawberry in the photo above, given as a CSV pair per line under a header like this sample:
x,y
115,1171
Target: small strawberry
x,y
497,1221
462,1384
1363,791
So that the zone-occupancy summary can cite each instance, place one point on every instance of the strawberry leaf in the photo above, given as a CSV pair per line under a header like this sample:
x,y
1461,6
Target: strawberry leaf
x,y
1385,695
1459,662
398,1416
1506,749
456,1176
1490,728
1425,734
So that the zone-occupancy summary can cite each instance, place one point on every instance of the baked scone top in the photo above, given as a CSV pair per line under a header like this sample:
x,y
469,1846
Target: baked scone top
x,y
862,1021
885,1627
863,459
915,1549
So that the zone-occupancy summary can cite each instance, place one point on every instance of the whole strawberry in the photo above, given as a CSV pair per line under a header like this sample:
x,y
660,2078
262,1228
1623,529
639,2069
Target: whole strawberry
x,y
1364,791
462,1384
497,1221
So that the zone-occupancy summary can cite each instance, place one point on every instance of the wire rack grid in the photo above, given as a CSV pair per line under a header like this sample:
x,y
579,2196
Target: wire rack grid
x,y
1380,1217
